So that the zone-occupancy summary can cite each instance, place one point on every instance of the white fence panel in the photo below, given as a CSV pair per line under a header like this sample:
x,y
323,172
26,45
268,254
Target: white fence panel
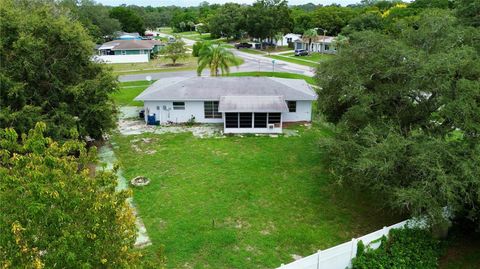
x,y
340,256
118,59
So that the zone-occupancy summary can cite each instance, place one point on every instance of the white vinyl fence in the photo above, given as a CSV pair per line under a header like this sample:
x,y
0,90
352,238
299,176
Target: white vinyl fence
x,y
118,59
340,256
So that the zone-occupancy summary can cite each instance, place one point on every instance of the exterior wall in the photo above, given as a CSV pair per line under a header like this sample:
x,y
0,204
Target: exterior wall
x,y
316,47
114,59
303,112
192,108
132,52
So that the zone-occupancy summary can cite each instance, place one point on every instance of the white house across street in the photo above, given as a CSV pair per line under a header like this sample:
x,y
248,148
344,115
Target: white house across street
x,y
241,104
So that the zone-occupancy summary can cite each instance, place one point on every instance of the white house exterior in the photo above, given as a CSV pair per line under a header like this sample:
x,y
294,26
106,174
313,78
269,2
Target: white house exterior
x,y
321,44
288,38
241,104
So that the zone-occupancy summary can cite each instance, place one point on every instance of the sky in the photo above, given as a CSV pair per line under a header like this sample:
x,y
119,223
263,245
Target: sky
x,y
186,3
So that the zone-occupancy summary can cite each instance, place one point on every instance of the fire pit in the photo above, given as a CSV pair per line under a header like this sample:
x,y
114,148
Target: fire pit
x,y
140,181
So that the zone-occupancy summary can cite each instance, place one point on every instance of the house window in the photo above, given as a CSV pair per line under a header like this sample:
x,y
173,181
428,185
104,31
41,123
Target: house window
x,y
211,110
289,39
260,120
292,106
124,52
245,120
158,107
327,47
178,105
231,120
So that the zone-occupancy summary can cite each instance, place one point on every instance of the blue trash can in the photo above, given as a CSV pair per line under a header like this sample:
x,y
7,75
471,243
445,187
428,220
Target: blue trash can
x,y
151,119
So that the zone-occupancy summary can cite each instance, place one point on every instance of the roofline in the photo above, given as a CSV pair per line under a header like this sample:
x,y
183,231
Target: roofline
x,y
173,100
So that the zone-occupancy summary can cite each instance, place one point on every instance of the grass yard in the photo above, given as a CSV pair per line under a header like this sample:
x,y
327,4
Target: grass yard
x,y
310,60
309,80
252,51
241,202
128,91
161,64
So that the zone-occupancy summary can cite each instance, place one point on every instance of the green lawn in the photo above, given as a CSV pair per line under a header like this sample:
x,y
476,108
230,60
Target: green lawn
x,y
241,202
252,51
128,91
309,80
310,60
161,64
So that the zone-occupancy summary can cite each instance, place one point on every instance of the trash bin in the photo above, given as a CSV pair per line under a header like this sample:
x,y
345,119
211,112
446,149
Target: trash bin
x,y
141,114
151,119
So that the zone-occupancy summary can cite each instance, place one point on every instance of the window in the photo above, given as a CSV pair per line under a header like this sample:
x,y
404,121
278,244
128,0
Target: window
x,y
124,52
260,120
211,110
231,120
178,105
327,47
158,107
292,106
274,118
289,40
245,120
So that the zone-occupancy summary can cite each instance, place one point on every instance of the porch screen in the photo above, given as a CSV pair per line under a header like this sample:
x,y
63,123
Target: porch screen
x,y
231,120
274,118
260,120
245,120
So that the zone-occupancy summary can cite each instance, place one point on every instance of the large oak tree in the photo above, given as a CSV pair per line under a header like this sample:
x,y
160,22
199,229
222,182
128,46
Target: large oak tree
x,y
407,111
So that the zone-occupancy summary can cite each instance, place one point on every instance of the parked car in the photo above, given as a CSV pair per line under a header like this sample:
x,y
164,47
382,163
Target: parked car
x,y
243,45
301,52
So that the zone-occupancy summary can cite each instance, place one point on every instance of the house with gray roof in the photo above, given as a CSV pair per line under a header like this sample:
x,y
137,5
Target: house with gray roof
x,y
130,47
322,44
241,104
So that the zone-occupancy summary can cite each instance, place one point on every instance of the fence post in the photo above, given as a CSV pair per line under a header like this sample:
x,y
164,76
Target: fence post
x,y
353,252
319,262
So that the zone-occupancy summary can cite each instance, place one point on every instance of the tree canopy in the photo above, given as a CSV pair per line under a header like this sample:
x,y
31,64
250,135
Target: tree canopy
x,y
64,214
130,20
407,109
47,73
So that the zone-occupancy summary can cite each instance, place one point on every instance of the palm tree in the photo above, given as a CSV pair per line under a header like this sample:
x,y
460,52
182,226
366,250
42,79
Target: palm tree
x,y
217,58
310,34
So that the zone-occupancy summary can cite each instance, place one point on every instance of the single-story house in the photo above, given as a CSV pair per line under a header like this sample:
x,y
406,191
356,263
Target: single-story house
x,y
320,43
130,47
242,104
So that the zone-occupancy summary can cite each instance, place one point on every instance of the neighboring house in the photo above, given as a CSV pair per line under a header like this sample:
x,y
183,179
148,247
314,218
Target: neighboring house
x,y
130,47
242,104
320,43
127,51
287,39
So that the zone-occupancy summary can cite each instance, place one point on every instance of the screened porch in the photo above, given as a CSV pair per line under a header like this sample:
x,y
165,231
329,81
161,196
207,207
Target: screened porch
x,y
252,114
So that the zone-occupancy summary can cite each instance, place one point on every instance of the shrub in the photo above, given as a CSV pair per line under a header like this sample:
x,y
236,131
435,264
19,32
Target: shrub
x,y
404,248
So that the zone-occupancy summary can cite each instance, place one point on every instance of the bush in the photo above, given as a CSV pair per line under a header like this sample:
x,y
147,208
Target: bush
x,y
404,248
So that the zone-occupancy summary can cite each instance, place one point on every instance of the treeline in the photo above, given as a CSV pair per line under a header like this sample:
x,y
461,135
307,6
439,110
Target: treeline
x,y
404,94
262,19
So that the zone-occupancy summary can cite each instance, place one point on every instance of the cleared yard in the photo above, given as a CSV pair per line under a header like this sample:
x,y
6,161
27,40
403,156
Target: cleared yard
x,y
128,91
161,64
312,60
241,202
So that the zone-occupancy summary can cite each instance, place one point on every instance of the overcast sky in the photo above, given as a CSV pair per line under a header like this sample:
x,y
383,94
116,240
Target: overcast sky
x,y
185,3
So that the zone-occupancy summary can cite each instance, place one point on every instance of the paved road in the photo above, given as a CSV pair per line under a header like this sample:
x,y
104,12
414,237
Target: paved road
x,y
252,62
